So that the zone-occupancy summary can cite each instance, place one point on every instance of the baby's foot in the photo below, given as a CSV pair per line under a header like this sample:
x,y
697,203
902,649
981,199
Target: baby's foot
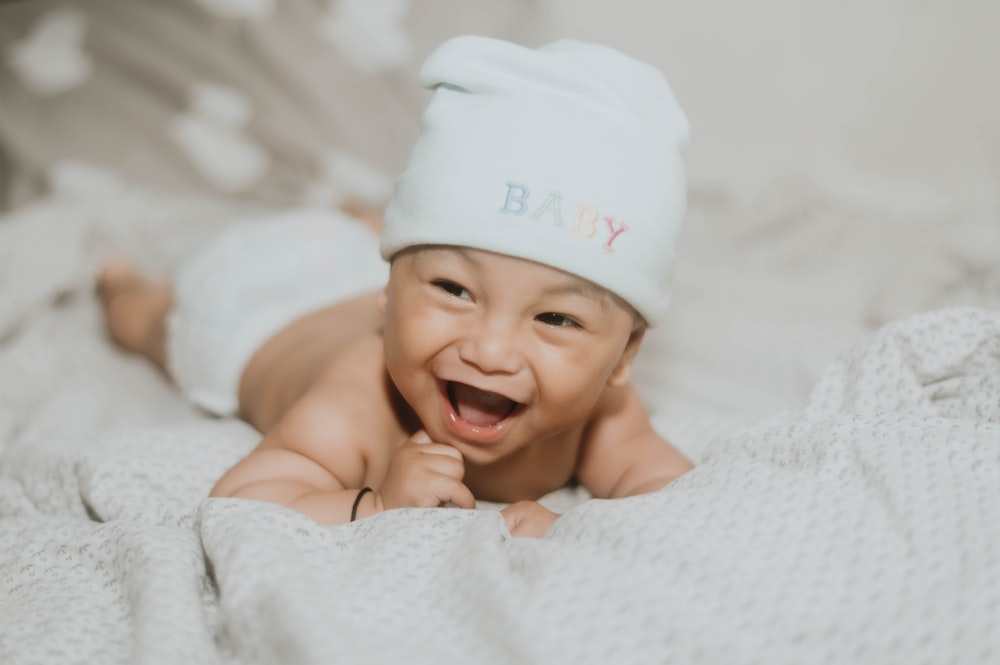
x,y
135,307
116,274
366,213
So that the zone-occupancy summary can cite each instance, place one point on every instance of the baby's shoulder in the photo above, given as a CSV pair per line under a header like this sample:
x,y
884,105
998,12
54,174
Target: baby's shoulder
x,y
351,388
618,413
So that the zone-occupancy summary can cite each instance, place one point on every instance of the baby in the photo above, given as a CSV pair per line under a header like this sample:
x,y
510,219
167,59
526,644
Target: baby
x,y
530,243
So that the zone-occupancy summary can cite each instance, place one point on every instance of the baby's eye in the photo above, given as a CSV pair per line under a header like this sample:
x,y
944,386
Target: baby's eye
x,y
557,320
452,288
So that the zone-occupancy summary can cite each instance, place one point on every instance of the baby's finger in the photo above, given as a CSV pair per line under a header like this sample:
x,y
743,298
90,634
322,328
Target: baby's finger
x,y
420,436
440,449
444,465
512,518
458,494
528,518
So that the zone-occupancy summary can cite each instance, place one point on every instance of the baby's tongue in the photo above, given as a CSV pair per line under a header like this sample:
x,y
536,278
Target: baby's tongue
x,y
479,407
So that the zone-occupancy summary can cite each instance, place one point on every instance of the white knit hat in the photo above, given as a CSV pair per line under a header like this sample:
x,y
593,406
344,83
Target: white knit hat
x,y
568,155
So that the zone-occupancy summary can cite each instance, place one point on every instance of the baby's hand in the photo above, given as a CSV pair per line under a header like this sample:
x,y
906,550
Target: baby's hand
x,y
423,474
528,518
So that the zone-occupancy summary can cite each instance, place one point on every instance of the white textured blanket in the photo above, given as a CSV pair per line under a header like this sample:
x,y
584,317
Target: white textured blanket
x,y
859,527
862,528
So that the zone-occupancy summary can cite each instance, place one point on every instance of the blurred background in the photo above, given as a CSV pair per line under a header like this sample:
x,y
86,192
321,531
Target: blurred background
x,y
261,98
844,166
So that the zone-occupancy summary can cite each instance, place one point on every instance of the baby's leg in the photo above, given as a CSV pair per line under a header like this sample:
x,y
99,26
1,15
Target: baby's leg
x,y
135,309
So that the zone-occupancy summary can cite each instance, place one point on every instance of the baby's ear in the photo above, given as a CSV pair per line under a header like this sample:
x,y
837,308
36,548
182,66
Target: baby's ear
x,y
622,372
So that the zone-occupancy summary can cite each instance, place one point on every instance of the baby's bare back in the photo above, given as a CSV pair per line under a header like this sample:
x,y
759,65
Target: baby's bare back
x,y
288,364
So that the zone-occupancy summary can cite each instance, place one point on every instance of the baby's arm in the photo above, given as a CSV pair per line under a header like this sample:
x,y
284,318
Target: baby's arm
x,y
622,455
301,464
330,445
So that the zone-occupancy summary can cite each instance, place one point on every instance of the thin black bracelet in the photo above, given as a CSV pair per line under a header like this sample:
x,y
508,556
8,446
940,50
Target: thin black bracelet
x,y
357,502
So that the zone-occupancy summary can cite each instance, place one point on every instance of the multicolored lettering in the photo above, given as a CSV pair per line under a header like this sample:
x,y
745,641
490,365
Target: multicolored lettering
x,y
585,223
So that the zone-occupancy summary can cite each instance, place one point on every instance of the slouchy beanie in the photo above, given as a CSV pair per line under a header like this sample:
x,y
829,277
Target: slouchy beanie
x,y
569,155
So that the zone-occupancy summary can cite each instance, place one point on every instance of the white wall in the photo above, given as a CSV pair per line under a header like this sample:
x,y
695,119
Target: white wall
x,y
896,95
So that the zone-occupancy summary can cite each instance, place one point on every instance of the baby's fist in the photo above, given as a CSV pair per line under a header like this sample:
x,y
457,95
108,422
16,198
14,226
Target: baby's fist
x,y
528,519
424,474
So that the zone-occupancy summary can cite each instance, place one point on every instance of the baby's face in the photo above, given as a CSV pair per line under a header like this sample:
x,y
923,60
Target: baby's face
x,y
494,352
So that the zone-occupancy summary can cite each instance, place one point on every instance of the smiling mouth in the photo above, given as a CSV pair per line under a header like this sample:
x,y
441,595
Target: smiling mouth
x,y
479,408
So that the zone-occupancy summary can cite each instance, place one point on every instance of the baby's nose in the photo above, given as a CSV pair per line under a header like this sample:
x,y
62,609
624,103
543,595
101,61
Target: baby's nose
x,y
492,348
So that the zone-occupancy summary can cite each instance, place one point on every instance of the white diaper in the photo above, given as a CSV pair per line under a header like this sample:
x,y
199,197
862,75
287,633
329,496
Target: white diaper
x,y
252,281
